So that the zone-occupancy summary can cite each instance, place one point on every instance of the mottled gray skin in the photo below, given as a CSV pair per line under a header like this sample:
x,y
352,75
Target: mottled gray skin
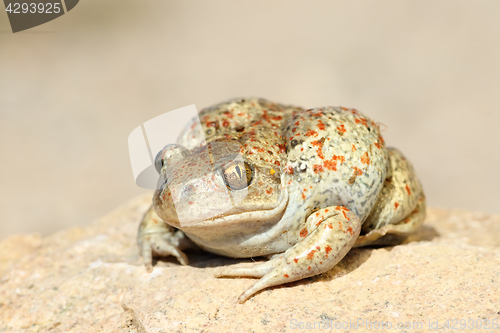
x,y
317,179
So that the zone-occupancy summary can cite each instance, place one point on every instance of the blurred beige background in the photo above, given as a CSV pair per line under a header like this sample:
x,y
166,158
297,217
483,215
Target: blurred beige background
x,y
73,89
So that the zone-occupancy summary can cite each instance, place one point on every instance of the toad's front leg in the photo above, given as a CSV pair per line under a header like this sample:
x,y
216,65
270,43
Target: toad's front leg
x,y
155,237
328,235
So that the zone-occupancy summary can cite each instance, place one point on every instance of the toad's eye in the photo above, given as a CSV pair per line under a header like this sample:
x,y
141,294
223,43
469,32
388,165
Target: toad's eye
x,y
237,175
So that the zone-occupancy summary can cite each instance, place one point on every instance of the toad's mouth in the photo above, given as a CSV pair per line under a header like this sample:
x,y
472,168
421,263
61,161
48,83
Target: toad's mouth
x,y
250,216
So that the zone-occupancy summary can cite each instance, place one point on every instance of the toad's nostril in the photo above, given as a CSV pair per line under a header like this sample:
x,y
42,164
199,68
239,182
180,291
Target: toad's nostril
x,y
170,155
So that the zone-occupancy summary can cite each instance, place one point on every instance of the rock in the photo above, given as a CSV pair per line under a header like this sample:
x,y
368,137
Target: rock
x,y
91,279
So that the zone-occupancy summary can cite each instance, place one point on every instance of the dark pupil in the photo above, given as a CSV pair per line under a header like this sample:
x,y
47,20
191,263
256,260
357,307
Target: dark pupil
x,y
237,176
238,171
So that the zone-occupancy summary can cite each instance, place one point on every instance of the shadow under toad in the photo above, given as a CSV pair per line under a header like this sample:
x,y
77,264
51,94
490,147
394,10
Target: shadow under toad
x,y
353,260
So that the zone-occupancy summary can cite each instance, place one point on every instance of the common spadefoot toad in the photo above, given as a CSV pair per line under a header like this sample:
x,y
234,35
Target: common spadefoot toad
x,y
301,187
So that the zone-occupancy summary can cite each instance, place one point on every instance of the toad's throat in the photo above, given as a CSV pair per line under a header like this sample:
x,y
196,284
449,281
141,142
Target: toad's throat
x,y
250,216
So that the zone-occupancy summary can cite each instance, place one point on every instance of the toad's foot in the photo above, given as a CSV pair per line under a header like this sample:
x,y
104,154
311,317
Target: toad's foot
x,y
392,233
328,236
400,208
155,237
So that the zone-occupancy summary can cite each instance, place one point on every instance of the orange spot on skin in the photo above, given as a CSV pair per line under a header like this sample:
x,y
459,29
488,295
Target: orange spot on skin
x,y
329,225
317,168
343,210
358,171
321,126
303,196
286,275
225,123
310,255
396,205
328,249
353,148
311,133
319,222
317,214
319,144
190,202
362,121
296,260
326,210
408,190
341,129
320,153
332,163
269,190
282,148
309,268
303,232
377,145
349,230
340,226
289,170
365,159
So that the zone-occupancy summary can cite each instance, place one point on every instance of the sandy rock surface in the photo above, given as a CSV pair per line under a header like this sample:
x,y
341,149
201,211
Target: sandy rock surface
x,y
92,280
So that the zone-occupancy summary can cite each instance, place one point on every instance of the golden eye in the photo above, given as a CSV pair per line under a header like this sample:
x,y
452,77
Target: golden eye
x,y
237,175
